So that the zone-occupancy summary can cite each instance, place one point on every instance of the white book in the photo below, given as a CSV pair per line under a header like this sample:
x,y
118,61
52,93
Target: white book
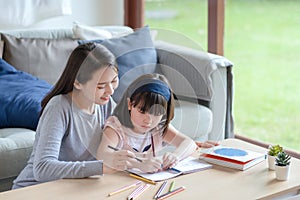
x,y
232,157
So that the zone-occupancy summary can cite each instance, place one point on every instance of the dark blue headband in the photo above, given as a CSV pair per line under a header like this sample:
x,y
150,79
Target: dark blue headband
x,y
158,87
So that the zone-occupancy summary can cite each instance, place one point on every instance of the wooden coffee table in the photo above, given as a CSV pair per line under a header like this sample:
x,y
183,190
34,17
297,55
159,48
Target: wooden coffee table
x,y
216,183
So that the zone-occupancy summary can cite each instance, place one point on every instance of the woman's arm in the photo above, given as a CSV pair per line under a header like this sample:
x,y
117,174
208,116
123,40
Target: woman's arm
x,y
51,159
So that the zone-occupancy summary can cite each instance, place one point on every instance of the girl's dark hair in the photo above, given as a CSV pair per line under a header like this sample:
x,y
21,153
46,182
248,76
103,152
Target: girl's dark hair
x,y
151,102
82,63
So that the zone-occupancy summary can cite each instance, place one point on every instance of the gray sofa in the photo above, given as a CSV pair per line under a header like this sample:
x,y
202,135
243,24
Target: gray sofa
x,y
202,84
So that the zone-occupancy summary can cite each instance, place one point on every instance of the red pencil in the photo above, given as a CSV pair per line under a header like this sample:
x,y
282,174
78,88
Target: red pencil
x,y
171,193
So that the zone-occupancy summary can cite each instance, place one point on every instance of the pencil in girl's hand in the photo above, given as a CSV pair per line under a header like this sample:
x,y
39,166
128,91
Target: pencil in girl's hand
x,y
152,144
113,148
121,189
116,149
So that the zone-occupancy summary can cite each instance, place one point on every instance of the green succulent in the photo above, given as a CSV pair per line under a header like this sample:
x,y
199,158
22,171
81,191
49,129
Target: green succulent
x,y
282,159
274,150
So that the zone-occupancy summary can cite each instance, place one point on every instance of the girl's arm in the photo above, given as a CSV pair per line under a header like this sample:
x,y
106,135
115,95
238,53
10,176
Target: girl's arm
x,y
185,146
113,159
122,159
207,144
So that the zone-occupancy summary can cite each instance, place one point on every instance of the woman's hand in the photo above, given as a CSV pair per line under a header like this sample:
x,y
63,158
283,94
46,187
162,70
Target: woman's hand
x,y
170,160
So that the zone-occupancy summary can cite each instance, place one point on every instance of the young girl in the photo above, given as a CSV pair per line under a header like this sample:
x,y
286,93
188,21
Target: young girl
x,y
141,124
72,117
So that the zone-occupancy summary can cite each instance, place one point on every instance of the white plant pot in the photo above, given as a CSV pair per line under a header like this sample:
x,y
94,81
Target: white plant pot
x,y
271,162
282,172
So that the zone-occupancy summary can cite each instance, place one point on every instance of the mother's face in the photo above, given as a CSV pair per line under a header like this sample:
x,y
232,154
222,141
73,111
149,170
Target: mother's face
x,y
101,86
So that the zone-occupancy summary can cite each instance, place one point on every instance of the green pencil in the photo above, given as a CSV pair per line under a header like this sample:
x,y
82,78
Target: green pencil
x,y
171,186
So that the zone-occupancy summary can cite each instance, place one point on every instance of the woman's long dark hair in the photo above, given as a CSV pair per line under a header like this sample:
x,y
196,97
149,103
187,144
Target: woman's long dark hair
x,y
82,63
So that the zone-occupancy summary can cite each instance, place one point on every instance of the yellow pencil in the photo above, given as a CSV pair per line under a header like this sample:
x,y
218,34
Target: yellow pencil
x,y
142,179
121,189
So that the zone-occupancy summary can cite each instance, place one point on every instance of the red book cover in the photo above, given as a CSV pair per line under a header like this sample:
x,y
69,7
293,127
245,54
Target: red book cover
x,y
232,157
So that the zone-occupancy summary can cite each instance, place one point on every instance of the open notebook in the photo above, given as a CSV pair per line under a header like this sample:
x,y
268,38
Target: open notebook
x,y
186,166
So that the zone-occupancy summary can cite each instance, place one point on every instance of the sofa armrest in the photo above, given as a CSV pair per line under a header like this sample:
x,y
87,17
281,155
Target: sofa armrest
x,y
200,77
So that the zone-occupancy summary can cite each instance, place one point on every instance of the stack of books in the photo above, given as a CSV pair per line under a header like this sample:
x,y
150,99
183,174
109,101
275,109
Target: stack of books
x,y
232,157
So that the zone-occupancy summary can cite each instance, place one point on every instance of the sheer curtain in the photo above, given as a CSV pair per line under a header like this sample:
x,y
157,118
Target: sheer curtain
x,y
20,13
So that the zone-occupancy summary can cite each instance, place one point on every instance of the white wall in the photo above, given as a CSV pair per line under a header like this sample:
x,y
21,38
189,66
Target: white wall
x,y
87,12
98,12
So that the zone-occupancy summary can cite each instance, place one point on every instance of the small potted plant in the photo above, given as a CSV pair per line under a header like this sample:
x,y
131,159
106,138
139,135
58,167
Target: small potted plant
x,y
272,153
282,166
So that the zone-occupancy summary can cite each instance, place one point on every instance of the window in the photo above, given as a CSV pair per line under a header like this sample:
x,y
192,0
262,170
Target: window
x,y
189,20
262,39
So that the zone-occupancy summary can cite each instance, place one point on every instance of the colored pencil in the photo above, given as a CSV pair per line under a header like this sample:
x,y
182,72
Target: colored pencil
x,y
142,179
173,192
171,186
159,191
116,149
135,191
138,192
126,187
152,143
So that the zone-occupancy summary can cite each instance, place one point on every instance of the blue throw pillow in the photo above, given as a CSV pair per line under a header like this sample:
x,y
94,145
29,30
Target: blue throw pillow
x,y
5,67
21,96
136,55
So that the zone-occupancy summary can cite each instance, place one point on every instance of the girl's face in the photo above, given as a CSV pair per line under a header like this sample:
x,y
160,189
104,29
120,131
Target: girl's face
x,y
142,121
102,85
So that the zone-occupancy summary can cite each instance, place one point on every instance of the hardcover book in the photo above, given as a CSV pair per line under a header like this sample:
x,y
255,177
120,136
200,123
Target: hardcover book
x,y
232,157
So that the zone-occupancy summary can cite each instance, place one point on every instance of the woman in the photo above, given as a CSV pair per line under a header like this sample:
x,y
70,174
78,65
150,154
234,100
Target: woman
x,y
72,117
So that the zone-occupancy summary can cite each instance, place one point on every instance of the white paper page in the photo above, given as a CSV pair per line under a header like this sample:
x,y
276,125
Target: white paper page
x,y
187,165
191,164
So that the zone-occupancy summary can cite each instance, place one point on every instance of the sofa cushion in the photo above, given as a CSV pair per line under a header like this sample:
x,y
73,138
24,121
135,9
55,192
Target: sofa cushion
x,y
89,33
21,95
15,149
53,33
44,58
192,119
135,55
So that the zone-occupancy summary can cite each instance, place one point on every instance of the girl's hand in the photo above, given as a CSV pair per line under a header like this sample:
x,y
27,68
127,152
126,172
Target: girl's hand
x,y
121,160
149,165
170,160
207,144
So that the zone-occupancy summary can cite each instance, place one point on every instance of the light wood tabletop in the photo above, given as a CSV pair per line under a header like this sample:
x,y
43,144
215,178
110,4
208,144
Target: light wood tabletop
x,y
257,182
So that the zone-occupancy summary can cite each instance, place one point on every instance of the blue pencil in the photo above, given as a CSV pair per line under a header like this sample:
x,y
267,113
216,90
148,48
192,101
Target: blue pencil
x,y
159,191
